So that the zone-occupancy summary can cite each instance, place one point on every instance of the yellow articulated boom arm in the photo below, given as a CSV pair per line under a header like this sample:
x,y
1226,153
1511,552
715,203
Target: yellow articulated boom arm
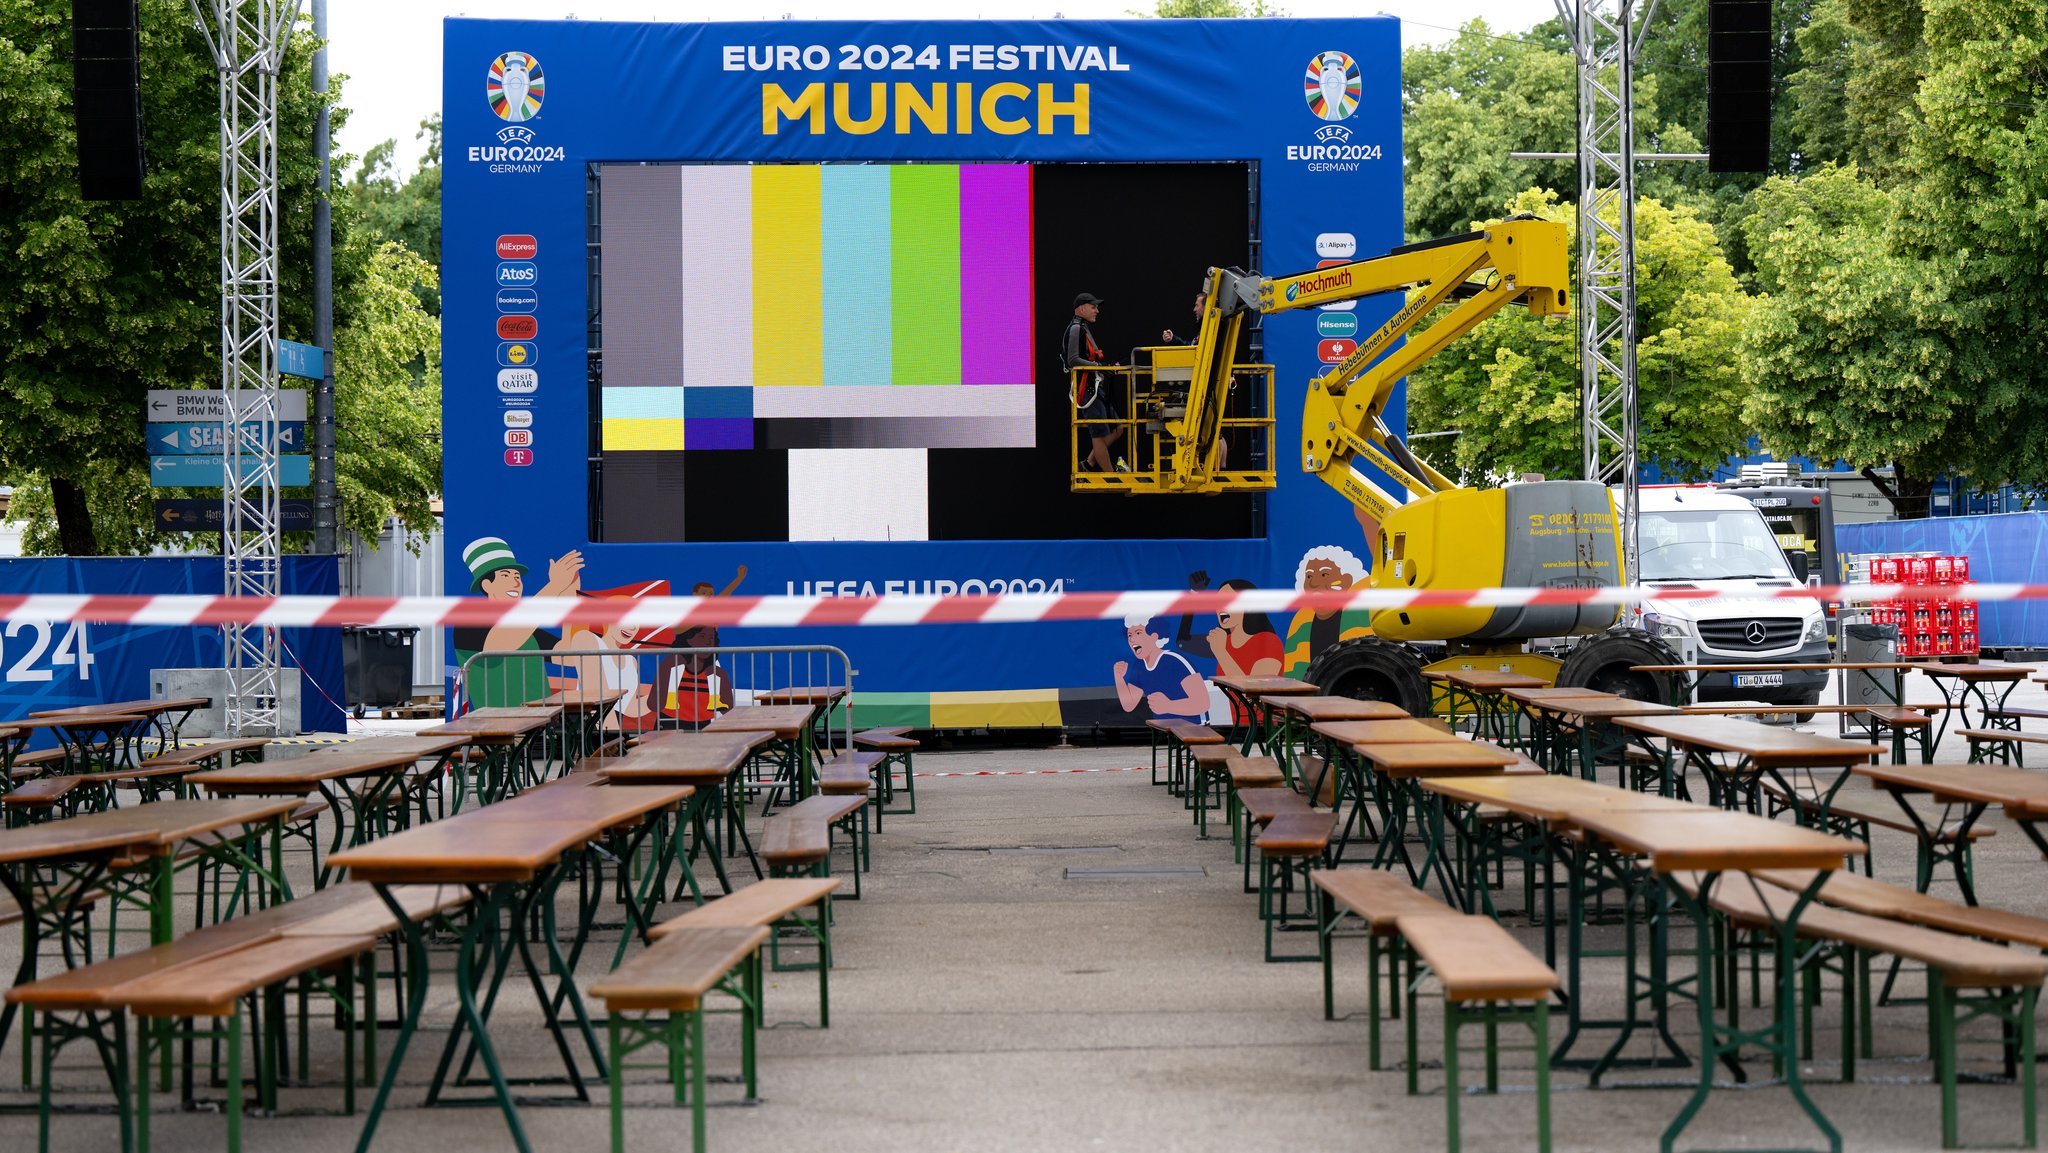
x,y
1520,259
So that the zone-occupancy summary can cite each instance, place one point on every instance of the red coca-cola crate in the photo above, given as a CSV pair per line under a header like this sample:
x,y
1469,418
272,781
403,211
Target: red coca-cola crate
x,y
1883,614
1943,570
1921,614
1923,643
1944,644
1962,569
1966,642
1944,617
1919,570
1966,615
1884,570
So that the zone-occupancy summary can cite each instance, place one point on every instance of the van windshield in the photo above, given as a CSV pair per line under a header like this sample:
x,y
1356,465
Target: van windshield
x,y
1729,544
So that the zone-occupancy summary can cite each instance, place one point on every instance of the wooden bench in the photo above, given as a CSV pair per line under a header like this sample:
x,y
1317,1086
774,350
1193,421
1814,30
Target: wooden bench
x,y
1292,847
853,775
1183,738
1164,726
1850,817
1378,899
657,998
798,840
1487,979
1256,809
1209,780
898,748
1902,725
2000,746
38,800
775,903
1978,979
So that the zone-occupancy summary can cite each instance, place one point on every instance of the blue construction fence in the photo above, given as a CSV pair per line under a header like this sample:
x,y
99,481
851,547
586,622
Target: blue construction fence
x,y
58,665
2010,547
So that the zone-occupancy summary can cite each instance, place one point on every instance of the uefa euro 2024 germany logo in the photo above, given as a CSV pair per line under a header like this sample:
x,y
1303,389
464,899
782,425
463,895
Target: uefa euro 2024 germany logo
x,y
516,87
1332,87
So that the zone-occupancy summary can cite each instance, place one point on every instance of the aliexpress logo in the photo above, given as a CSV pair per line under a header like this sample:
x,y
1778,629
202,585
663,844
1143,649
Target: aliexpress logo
x,y
517,246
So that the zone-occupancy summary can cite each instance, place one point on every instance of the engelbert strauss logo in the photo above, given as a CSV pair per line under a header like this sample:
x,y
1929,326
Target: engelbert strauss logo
x,y
515,87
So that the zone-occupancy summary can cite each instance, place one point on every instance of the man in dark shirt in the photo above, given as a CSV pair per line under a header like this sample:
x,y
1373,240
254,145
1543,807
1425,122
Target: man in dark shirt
x,y
1079,350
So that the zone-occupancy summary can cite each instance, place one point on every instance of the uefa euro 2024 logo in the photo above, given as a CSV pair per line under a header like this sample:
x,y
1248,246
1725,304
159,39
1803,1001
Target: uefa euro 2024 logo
x,y
1332,88
516,88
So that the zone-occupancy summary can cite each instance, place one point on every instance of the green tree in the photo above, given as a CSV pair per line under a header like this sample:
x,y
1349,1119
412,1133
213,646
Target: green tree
x,y
1511,388
111,299
387,438
1835,358
1210,9
407,211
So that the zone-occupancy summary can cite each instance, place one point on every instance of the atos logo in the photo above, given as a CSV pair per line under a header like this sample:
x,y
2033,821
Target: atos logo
x,y
517,246
1334,351
518,457
517,327
518,353
1341,324
518,300
519,437
517,380
518,273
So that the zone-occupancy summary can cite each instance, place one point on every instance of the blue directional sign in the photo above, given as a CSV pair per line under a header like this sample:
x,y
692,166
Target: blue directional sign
x,y
194,439
211,471
295,359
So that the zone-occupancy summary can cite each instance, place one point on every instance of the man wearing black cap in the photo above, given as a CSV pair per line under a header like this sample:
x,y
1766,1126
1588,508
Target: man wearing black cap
x,y
1079,350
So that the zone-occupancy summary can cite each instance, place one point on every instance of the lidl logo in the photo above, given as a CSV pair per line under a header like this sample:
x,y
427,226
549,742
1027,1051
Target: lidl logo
x,y
518,300
517,380
1334,351
518,353
1338,245
1337,324
515,87
517,246
1332,86
518,273
517,327
519,457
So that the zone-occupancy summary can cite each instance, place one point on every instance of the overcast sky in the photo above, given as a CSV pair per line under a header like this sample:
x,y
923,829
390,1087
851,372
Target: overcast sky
x,y
391,49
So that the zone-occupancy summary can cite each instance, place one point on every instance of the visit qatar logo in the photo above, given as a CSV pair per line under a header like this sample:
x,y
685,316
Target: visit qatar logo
x,y
516,87
1332,86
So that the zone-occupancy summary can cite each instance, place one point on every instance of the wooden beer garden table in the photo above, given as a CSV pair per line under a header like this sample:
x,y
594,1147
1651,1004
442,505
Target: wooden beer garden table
x,y
1297,716
1486,689
1787,756
789,727
133,855
1592,722
167,731
707,762
1247,697
1688,853
510,858
825,698
587,708
1960,684
359,813
1971,788
506,737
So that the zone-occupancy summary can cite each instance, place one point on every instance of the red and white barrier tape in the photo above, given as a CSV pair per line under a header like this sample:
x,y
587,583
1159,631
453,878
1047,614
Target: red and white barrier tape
x,y
650,613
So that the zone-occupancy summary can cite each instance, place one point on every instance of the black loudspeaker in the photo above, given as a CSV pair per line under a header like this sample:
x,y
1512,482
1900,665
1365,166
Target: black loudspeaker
x,y
1739,85
106,89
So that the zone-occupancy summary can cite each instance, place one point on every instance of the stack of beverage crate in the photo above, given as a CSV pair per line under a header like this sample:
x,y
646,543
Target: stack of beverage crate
x,y
1929,626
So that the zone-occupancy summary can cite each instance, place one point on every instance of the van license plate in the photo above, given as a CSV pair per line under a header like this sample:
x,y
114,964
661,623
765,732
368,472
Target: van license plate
x,y
1758,680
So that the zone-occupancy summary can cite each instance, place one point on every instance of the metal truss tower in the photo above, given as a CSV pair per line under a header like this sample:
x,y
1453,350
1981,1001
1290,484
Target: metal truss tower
x,y
1606,35
247,38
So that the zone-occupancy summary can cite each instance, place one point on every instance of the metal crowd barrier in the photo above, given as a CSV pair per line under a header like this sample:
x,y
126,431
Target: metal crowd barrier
x,y
666,688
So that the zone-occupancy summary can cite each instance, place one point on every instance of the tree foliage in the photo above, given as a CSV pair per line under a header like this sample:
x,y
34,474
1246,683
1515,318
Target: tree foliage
x,y
1511,389
111,299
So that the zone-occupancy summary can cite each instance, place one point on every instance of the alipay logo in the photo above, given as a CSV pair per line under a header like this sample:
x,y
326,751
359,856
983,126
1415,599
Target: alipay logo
x,y
1336,245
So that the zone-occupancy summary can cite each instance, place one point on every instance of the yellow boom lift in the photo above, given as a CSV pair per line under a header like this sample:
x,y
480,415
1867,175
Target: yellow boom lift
x,y
1427,531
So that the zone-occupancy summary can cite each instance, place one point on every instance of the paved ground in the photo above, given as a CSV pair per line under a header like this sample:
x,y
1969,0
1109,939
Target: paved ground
x,y
1050,960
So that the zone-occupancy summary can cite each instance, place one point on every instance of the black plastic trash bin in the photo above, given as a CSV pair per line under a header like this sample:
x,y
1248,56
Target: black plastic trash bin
x,y
376,664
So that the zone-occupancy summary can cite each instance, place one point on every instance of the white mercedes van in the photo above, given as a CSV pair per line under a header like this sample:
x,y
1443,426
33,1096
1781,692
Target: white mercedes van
x,y
1703,538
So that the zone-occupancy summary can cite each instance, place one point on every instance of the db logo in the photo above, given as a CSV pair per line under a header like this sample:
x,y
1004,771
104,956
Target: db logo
x,y
518,327
1334,351
519,437
517,246
519,457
